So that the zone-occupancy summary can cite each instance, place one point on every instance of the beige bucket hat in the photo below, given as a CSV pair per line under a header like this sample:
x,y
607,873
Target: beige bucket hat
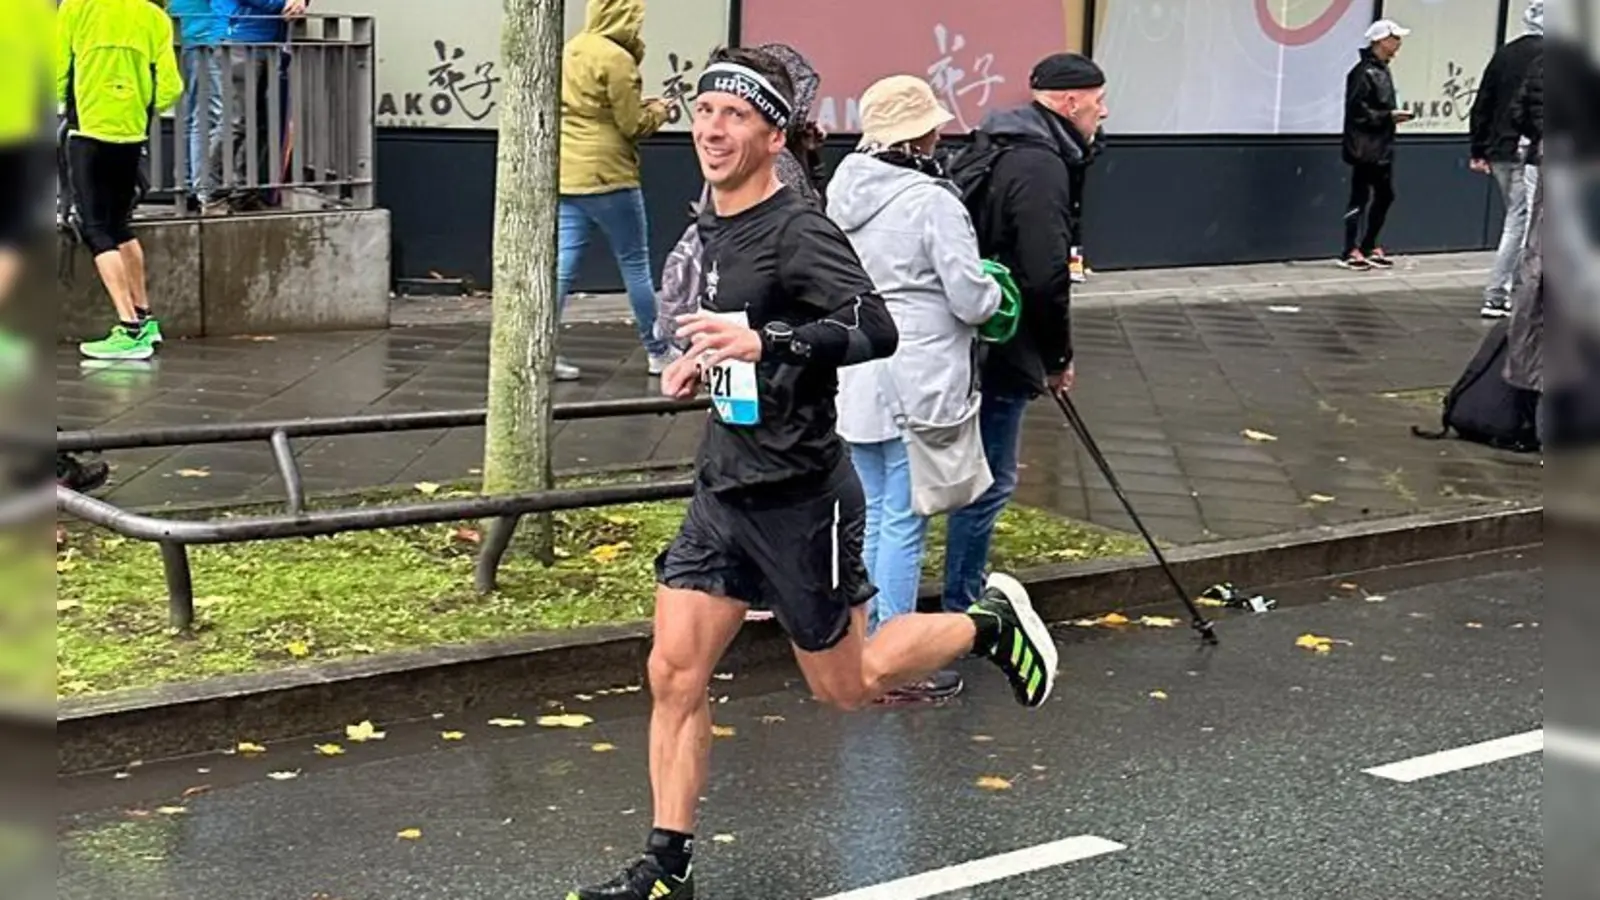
x,y
900,108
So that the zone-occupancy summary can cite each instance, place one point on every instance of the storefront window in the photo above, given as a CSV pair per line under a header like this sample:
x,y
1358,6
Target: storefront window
x,y
976,56
439,63
1228,66
1438,69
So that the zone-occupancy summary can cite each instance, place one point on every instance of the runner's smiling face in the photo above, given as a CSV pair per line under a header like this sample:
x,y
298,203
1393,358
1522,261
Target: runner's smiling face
x,y
733,141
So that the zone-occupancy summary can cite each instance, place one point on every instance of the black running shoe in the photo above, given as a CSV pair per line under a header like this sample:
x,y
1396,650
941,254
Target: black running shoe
x,y
941,685
1025,650
644,880
82,477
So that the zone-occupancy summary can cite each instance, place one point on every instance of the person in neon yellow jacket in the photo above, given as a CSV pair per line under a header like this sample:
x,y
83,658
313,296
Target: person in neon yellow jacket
x,y
25,106
116,68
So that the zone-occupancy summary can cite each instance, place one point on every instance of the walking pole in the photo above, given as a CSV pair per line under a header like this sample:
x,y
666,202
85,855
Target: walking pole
x,y
1198,621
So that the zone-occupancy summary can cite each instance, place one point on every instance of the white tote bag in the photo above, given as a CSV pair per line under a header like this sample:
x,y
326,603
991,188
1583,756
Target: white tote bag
x,y
948,467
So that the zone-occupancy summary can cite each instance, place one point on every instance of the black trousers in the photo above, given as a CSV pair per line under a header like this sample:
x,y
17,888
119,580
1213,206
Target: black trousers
x,y
1371,195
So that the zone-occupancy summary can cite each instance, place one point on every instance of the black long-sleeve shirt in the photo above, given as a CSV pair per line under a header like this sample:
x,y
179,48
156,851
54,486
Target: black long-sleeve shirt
x,y
782,260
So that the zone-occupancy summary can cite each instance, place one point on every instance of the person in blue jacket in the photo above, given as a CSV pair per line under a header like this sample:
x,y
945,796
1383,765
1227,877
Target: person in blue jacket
x,y
200,30
256,33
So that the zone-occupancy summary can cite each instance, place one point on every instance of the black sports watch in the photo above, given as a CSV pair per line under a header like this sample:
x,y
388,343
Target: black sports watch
x,y
777,339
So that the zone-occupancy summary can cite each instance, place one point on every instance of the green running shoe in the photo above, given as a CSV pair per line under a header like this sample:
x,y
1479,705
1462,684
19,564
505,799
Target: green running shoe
x,y
119,344
1025,651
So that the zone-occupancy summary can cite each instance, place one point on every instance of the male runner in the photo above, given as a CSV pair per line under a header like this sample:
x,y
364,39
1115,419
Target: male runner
x,y
778,513
116,69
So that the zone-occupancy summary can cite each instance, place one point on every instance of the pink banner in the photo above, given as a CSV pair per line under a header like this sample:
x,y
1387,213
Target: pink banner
x,y
976,57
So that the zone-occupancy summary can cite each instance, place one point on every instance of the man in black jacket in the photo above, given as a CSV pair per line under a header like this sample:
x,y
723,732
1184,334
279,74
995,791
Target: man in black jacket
x,y
1497,149
1371,115
1023,219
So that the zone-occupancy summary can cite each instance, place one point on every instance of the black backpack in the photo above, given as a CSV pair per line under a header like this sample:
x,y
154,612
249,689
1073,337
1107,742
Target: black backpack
x,y
1485,408
971,169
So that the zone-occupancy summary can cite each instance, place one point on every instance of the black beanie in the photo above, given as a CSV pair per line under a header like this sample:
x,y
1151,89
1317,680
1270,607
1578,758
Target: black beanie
x,y
1066,72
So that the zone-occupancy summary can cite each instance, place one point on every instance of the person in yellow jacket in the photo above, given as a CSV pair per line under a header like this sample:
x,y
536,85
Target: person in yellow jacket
x,y
116,68
25,108
603,116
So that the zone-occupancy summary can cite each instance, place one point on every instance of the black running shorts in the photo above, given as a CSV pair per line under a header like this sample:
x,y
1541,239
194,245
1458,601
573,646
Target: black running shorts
x,y
105,186
795,550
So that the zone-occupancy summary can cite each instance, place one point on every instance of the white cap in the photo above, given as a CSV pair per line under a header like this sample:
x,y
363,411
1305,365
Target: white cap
x,y
1384,28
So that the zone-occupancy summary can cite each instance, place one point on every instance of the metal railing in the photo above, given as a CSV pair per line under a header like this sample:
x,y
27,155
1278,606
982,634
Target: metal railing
x,y
175,536
285,125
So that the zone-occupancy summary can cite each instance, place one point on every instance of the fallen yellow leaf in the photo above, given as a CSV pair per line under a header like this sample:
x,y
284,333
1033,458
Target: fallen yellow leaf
x,y
568,720
410,834
607,553
982,739
64,605
1317,643
363,732
507,723
1158,695
1209,601
171,810
284,776
426,487
723,839
193,473
723,731
330,749
994,783
248,748
1474,624
1158,621
298,649
603,747
451,735
1114,619
1262,436
772,720
1320,498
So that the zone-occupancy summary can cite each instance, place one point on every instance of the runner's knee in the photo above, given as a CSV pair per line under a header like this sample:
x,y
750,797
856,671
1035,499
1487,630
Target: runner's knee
x,y
677,678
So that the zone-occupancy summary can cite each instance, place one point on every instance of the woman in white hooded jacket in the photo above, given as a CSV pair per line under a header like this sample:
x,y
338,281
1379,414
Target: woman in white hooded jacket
x,y
916,240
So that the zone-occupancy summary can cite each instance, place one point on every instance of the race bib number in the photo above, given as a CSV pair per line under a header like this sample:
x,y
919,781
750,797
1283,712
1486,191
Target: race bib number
x,y
733,385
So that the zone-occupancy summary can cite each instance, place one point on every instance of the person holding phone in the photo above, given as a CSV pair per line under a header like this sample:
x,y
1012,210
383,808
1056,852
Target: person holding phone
x,y
1372,115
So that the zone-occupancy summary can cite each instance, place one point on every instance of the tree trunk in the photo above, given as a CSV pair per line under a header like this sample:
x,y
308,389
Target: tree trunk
x,y
522,343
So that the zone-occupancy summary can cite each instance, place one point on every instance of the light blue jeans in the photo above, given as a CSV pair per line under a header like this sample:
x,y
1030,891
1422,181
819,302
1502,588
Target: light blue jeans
x,y
202,70
621,217
895,535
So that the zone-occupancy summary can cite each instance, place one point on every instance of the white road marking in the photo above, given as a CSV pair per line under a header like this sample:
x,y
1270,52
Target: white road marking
x,y
986,870
1582,748
1455,760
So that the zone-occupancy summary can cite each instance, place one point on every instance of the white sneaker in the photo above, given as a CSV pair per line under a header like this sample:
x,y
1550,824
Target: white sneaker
x,y
660,361
565,371
1495,309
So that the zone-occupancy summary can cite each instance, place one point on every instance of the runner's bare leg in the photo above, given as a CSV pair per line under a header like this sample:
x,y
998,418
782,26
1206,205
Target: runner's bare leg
x,y
856,671
692,631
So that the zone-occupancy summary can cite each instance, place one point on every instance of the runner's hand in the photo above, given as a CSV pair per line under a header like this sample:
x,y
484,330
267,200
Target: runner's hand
x,y
1481,166
681,379
294,9
719,340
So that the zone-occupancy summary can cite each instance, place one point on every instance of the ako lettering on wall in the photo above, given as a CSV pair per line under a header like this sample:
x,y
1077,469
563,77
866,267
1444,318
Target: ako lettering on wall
x,y
454,87
1448,105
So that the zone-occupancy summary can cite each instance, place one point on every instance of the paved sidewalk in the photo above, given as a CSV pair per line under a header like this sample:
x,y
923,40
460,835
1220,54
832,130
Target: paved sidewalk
x,y
1256,281
1168,380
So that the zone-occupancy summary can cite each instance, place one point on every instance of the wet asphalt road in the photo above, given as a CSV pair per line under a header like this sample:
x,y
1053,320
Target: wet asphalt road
x,y
1245,781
